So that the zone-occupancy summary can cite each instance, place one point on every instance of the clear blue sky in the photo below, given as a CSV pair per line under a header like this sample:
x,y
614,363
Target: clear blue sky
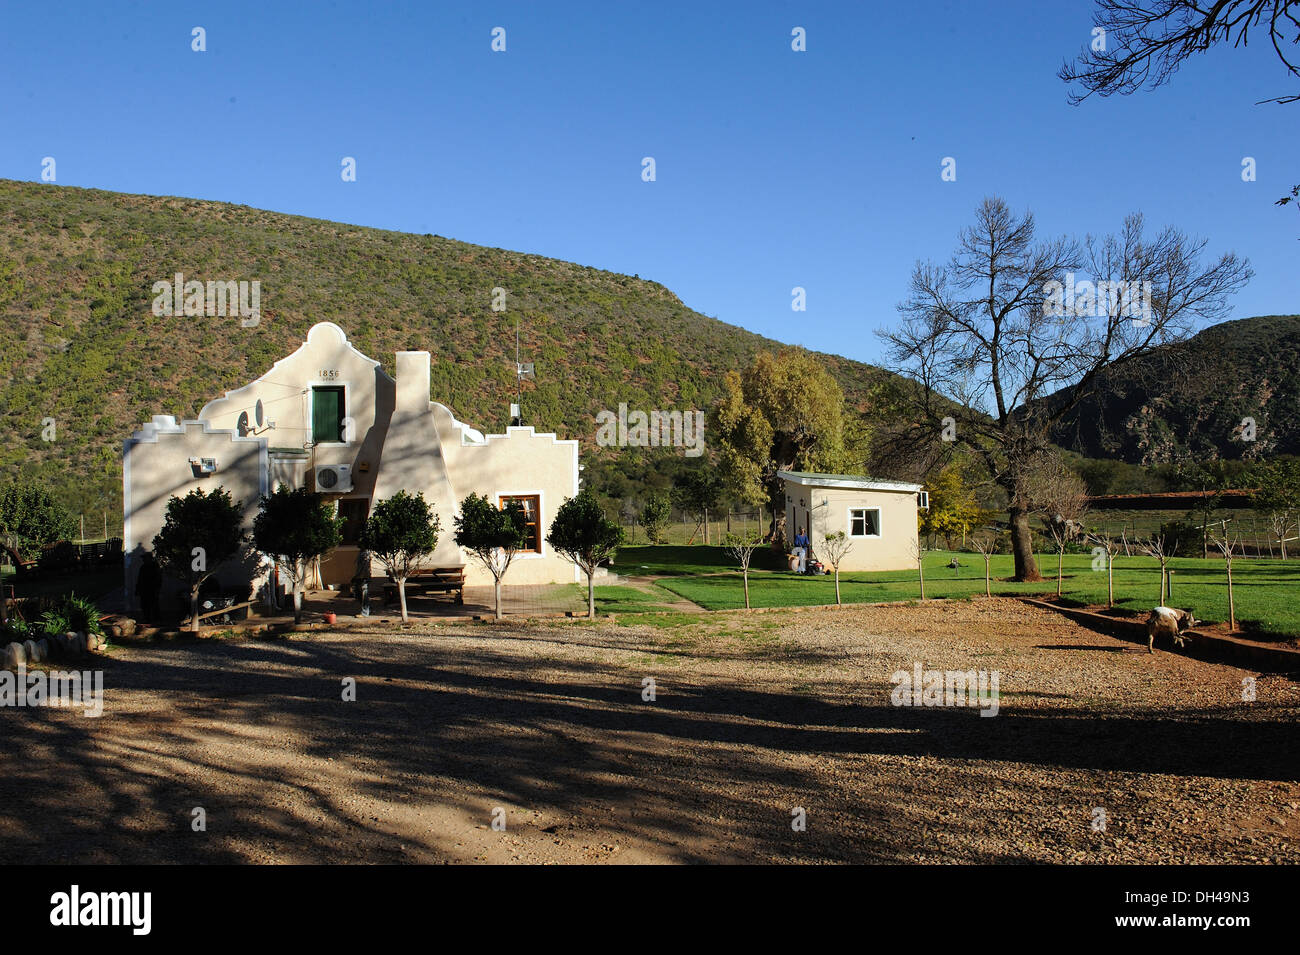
x,y
775,169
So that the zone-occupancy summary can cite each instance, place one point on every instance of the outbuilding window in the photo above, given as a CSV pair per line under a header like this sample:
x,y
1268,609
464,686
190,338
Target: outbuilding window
x,y
864,522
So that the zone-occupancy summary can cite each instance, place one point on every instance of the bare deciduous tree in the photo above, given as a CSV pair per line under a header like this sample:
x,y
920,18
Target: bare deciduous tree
x,y
1227,546
1062,498
835,547
985,338
742,550
1143,44
1110,548
1161,548
985,549
917,548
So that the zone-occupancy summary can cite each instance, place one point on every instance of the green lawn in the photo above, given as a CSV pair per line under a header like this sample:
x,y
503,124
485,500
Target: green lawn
x,y
619,598
1266,591
673,560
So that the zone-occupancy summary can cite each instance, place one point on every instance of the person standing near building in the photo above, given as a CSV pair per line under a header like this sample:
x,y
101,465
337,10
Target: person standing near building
x,y
801,545
147,585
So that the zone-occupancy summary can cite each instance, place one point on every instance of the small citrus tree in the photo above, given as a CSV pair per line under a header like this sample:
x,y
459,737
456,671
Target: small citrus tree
x,y
200,532
491,535
583,534
293,528
835,548
400,533
654,516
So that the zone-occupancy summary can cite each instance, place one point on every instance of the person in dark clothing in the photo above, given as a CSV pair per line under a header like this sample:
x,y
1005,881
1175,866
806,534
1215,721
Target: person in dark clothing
x,y
147,585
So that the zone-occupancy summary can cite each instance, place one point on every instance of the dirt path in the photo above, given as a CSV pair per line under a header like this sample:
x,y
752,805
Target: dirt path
x,y
663,598
754,716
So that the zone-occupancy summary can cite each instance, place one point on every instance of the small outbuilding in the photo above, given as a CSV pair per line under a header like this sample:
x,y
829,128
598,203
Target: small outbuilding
x,y
880,517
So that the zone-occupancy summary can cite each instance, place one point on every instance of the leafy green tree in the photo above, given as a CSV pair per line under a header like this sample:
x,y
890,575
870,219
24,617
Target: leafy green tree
x,y
654,515
1277,494
953,510
582,533
200,532
30,518
784,413
492,535
293,528
400,533
698,491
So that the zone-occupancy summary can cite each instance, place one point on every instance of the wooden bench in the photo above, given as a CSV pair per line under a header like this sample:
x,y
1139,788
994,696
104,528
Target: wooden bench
x,y
431,580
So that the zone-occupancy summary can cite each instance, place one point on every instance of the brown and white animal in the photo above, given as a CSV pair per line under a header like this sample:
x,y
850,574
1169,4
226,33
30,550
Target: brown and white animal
x,y
1168,622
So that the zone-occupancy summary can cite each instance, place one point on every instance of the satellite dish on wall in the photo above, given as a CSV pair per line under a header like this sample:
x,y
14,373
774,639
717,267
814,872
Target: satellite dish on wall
x,y
242,425
257,412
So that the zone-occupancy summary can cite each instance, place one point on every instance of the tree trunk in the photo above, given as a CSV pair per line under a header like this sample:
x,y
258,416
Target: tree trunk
x,y
1060,561
837,585
920,570
745,574
401,595
1232,607
591,594
1022,545
297,602
194,608
1110,580
987,591
497,588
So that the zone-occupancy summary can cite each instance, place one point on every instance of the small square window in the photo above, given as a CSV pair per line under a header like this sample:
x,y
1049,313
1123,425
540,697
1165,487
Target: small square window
x,y
864,522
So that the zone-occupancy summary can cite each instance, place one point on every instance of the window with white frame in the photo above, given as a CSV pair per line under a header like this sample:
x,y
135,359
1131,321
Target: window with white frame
x,y
864,522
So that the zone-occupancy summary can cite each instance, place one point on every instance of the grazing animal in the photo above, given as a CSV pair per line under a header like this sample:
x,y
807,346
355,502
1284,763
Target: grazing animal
x,y
1168,622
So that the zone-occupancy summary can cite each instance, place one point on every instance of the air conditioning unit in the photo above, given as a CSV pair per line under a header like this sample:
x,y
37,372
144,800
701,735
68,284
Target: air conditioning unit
x,y
334,479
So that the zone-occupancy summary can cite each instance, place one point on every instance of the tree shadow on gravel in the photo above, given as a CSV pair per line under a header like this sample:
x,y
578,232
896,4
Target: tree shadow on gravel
x,y
708,771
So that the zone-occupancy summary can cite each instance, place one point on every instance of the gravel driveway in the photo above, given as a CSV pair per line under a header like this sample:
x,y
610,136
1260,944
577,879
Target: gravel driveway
x,y
544,728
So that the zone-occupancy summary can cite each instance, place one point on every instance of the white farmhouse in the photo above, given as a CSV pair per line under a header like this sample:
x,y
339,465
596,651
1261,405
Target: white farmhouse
x,y
331,419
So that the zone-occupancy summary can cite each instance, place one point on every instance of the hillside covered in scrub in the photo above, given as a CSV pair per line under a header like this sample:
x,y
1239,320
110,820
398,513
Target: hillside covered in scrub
x,y
80,345
1188,401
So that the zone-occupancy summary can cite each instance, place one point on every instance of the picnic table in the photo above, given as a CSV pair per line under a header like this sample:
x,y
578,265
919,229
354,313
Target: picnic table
x,y
432,580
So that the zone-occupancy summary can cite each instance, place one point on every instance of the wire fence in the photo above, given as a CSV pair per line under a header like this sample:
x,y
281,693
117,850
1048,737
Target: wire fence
x,y
684,527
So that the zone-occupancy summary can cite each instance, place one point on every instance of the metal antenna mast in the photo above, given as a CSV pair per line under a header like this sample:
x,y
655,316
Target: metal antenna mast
x,y
522,370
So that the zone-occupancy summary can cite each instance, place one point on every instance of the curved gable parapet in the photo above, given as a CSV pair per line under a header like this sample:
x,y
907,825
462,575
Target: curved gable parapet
x,y
320,335
448,424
